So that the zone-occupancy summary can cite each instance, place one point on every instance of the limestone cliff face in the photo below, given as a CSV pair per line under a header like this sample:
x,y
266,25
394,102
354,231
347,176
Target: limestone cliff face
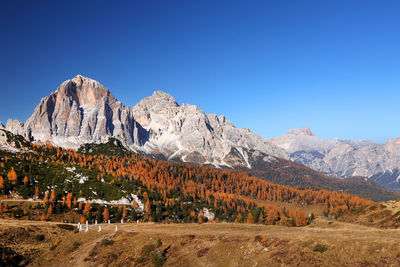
x,y
185,132
81,110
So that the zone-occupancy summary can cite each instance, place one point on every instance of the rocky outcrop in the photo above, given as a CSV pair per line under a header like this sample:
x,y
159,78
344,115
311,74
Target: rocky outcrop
x,y
80,111
11,142
15,127
3,137
344,158
185,132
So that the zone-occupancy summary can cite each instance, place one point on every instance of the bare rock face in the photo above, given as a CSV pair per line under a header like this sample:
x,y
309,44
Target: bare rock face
x,y
3,138
15,127
80,111
187,133
11,142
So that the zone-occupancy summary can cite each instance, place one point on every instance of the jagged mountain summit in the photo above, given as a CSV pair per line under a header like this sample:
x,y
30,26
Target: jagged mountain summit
x,y
186,132
82,110
344,158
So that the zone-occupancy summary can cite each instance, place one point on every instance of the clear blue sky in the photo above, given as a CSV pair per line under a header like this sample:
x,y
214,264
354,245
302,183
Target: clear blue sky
x,y
270,66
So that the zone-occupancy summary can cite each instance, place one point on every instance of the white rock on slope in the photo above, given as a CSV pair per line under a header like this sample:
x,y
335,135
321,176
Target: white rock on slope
x,y
3,138
8,143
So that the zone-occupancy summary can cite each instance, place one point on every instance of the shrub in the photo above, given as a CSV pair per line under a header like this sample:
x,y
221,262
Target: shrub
x,y
18,213
158,242
147,249
39,237
356,211
145,253
107,242
320,248
66,227
157,258
257,238
75,245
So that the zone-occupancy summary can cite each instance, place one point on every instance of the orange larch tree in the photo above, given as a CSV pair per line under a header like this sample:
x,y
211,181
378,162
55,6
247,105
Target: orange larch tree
x,y
69,200
300,218
106,215
50,210
37,192
250,218
124,212
12,175
86,211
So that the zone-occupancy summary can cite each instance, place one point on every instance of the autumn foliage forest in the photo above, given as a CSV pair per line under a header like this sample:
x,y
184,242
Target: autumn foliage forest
x,y
170,191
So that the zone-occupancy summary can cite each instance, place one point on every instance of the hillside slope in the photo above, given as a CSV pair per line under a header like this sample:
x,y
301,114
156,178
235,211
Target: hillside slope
x,y
322,243
83,183
293,174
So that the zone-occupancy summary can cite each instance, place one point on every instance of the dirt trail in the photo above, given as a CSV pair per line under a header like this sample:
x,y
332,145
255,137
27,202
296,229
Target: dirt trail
x,y
78,257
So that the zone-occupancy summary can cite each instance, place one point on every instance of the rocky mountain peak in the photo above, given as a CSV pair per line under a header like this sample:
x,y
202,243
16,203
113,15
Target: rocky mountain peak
x,y
15,126
84,91
161,94
158,103
81,110
163,98
301,131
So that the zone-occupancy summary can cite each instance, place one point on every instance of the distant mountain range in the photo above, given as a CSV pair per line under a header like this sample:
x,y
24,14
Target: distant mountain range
x,y
82,110
344,158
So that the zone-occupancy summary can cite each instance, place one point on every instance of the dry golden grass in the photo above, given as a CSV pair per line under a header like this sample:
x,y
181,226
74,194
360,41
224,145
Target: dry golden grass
x,y
382,215
212,245
23,237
